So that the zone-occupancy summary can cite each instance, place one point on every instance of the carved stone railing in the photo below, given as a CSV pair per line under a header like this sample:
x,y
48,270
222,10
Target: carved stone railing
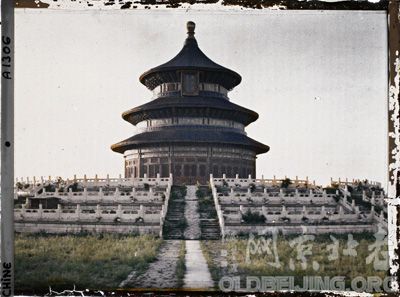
x,y
164,209
218,207
77,214
246,182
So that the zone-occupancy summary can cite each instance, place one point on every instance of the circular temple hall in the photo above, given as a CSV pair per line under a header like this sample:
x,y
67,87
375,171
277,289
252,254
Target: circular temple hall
x,y
190,128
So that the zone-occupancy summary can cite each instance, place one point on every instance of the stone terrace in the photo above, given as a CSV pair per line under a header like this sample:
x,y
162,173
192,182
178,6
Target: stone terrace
x,y
258,205
92,205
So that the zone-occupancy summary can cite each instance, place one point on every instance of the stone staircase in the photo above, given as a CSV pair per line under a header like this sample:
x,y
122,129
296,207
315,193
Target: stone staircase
x,y
209,225
175,222
210,229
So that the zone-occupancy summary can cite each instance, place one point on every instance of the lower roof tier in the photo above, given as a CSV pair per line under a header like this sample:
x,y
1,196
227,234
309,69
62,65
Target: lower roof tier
x,y
189,137
190,106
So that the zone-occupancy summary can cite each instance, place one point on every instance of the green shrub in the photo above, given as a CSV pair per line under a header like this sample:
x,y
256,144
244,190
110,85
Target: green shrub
x,y
253,217
286,183
199,194
252,187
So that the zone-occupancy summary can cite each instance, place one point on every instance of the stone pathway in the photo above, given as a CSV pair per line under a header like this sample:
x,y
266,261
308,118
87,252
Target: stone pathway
x,y
191,214
161,273
197,274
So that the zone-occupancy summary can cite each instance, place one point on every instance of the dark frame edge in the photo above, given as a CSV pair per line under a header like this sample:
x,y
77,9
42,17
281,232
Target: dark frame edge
x,y
7,152
393,122
7,148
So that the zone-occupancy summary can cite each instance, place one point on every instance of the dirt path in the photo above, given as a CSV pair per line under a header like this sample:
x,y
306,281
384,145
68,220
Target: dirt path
x,y
161,273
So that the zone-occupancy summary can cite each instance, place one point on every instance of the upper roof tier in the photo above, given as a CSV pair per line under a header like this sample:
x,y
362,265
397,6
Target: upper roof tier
x,y
190,58
196,107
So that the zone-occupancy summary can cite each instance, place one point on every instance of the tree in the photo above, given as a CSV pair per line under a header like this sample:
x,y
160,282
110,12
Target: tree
x,y
19,186
286,183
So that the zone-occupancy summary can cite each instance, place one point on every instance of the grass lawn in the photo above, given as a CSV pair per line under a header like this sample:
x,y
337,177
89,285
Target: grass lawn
x,y
86,261
233,252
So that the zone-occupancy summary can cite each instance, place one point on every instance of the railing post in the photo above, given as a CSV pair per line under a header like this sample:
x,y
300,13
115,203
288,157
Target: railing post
x,y
372,214
59,211
141,210
78,211
284,212
40,211
27,203
101,194
281,195
116,194
98,210
23,211
323,211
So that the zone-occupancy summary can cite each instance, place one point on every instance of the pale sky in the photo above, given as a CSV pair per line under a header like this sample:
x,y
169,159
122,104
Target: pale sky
x,y
317,79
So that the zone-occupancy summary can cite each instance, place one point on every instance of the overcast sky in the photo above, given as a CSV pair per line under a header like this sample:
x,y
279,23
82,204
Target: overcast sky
x,y
317,79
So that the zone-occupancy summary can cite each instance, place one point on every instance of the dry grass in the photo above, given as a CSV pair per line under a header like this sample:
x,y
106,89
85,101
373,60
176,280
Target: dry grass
x,y
347,266
181,266
87,261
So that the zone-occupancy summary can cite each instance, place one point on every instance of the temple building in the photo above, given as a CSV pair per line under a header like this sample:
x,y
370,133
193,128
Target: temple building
x,y
190,128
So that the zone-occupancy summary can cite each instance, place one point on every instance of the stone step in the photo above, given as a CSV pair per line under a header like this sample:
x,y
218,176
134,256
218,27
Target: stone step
x,y
204,227
209,224
216,232
169,236
173,228
211,237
